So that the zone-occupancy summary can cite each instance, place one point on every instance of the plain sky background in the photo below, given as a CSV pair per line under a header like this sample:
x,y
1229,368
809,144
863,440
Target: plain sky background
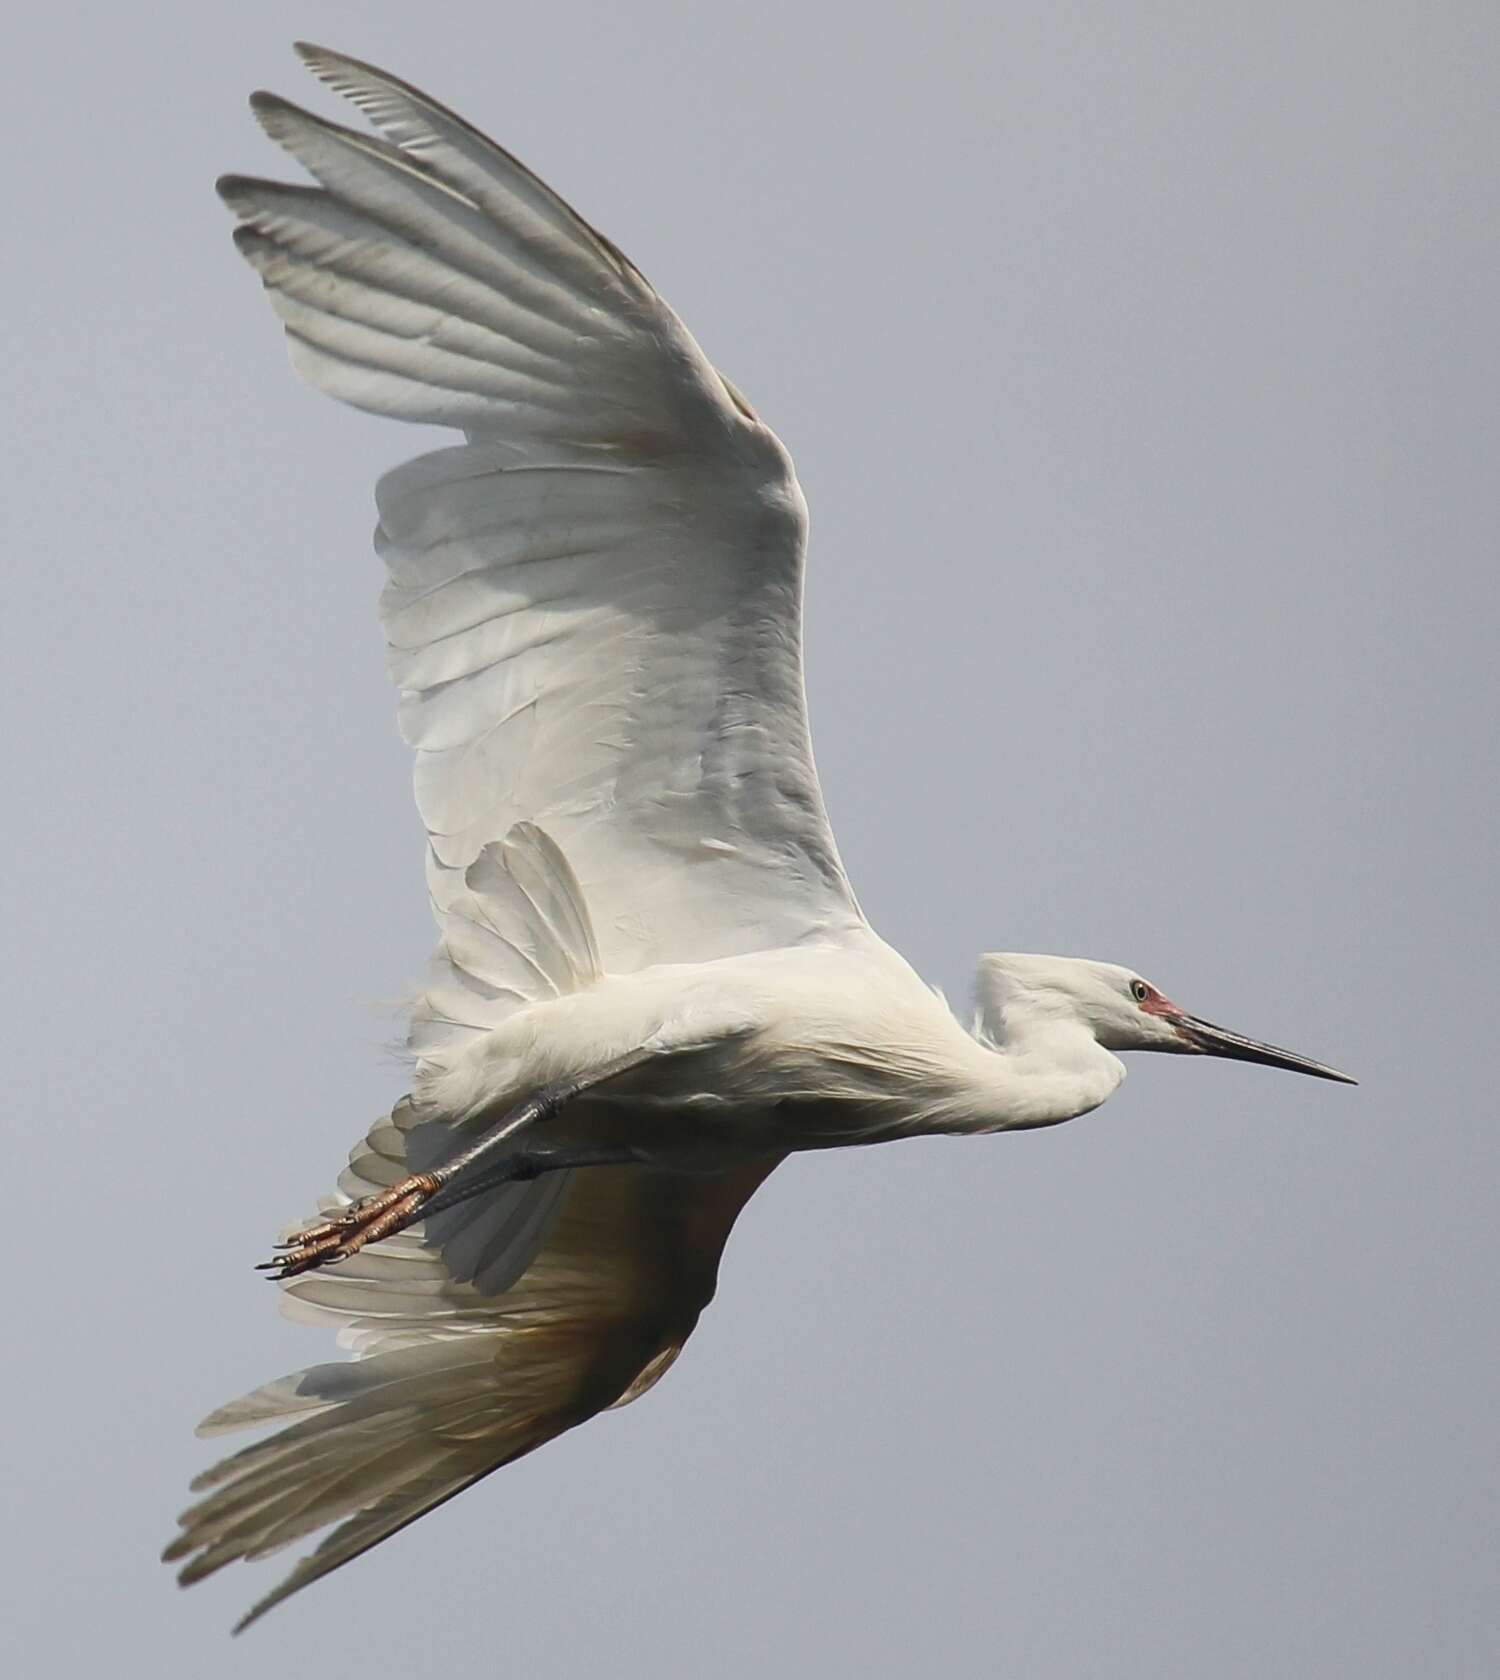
x,y
1140,362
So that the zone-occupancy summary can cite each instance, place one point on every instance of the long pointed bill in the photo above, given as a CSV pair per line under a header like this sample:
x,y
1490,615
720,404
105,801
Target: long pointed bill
x,y
1219,1041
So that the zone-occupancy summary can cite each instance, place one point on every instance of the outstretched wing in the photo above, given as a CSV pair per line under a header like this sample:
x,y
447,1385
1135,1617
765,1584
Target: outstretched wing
x,y
594,607
464,1383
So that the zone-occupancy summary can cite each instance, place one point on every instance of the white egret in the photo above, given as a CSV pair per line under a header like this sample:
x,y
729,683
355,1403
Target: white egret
x,y
653,981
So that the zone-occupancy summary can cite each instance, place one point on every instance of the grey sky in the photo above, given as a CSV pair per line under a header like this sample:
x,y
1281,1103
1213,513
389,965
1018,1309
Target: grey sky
x,y
1140,366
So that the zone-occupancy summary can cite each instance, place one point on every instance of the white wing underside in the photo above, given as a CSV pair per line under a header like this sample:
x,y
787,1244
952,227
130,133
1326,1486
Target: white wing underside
x,y
593,617
594,606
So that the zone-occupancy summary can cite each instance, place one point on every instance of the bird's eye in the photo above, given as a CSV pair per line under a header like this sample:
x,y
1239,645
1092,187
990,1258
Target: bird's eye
x,y
1139,990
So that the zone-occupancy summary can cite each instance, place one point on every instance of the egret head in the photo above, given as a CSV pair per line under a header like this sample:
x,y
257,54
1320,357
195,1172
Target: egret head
x,y
1122,1011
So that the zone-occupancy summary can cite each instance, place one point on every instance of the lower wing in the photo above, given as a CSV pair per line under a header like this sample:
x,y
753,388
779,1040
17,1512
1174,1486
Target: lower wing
x,y
461,1382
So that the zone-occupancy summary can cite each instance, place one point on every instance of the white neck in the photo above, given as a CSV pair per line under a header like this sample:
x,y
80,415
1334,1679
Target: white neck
x,y
1037,1070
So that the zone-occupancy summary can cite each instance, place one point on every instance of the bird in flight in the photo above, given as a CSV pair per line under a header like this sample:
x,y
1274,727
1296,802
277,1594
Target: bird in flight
x,y
652,981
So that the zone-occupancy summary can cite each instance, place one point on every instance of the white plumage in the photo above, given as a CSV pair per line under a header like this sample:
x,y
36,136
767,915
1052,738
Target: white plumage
x,y
594,623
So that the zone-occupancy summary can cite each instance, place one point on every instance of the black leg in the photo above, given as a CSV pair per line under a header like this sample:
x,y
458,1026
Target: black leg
x,y
475,1161
490,1160
528,1164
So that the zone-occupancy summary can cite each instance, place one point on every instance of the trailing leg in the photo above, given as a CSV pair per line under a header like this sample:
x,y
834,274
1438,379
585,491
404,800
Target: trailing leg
x,y
490,1160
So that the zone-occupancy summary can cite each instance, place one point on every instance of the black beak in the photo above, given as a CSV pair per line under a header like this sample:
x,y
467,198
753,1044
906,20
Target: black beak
x,y
1204,1036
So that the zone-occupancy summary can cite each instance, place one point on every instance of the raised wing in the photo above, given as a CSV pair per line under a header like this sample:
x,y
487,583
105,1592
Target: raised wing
x,y
594,608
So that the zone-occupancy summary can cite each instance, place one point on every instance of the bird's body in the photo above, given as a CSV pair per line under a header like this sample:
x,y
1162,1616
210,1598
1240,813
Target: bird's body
x,y
653,982
816,1046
